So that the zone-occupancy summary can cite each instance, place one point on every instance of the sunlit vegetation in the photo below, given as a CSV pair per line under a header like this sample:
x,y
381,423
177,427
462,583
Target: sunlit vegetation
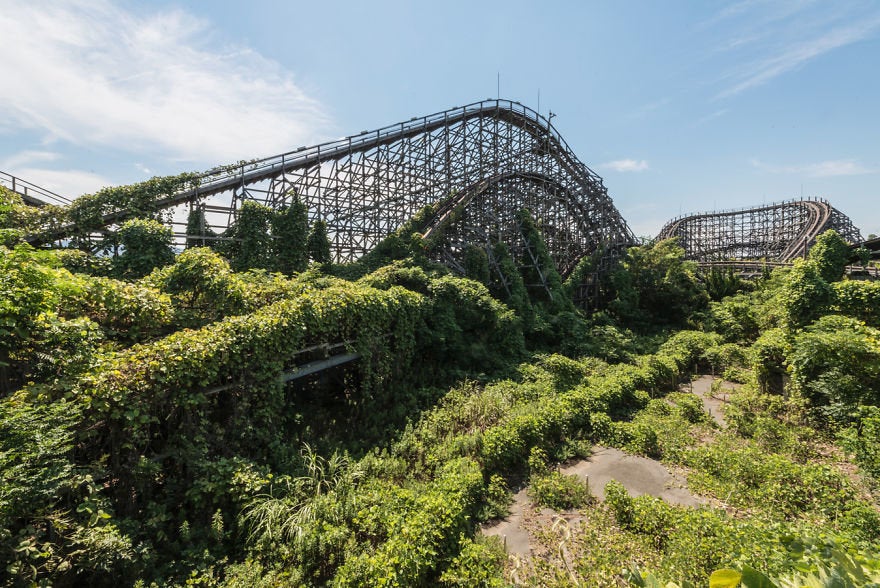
x,y
154,429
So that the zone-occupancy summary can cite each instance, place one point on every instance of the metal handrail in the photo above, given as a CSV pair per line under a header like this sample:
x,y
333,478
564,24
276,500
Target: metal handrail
x,y
32,194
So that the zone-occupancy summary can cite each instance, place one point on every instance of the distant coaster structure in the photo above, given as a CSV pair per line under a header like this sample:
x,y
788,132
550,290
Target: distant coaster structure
x,y
775,233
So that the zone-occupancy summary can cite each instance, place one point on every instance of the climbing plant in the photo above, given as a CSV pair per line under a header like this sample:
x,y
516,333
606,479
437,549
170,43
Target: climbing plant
x,y
250,245
290,232
319,244
146,244
198,232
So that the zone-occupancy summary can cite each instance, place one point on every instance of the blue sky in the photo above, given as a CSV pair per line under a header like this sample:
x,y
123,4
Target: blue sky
x,y
679,106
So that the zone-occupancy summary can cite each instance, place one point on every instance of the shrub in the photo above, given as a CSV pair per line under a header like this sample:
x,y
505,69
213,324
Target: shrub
x,y
830,254
805,294
146,244
862,438
835,363
559,491
480,562
620,503
857,299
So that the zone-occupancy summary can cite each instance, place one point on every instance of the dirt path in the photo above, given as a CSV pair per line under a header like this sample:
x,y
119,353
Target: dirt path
x,y
639,475
702,387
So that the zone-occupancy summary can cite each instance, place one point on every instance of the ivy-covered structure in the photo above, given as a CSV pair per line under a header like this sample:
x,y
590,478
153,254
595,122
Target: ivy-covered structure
x,y
477,166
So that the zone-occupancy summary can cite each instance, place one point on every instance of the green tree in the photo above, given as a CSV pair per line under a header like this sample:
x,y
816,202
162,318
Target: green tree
x,y
250,246
476,263
830,254
319,244
290,229
146,244
721,283
835,362
197,228
864,256
805,295
655,285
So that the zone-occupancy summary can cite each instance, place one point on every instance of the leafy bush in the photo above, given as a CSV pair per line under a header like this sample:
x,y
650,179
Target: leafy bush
x,y
620,503
735,318
862,438
290,232
480,562
835,363
857,299
558,491
250,244
805,295
319,244
202,286
830,254
768,358
654,285
418,534
146,244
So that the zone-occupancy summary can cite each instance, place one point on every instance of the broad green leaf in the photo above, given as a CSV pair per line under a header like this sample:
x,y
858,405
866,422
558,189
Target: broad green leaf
x,y
752,578
724,579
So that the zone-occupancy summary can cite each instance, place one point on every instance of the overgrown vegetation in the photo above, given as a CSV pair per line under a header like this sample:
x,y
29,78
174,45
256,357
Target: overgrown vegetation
x,y
158,425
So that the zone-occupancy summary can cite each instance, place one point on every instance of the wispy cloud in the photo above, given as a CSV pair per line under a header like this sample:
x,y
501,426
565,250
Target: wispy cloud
x,y
647,109
797,51
822,169
626,165
97,75
730,11
712,116
27,157
69,183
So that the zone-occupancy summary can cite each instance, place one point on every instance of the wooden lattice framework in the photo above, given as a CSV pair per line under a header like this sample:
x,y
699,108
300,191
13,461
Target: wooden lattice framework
x,y
490,158
777,232
478,166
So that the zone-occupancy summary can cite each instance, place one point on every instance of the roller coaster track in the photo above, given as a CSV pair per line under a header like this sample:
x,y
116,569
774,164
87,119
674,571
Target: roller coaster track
x,y
488,160
777,233
32,194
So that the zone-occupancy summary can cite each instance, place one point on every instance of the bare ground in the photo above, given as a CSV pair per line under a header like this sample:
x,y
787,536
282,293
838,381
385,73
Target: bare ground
x,y
639,475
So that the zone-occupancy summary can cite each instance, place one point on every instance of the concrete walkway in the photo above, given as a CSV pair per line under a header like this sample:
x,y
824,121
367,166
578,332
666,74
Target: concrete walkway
x,y
510,529
639,475
702,387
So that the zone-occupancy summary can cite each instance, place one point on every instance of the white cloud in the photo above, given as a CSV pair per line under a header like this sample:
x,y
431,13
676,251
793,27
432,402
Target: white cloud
x,y
95,75
67,183
647,109
28,157
822,169
626,165
712,116
796,54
